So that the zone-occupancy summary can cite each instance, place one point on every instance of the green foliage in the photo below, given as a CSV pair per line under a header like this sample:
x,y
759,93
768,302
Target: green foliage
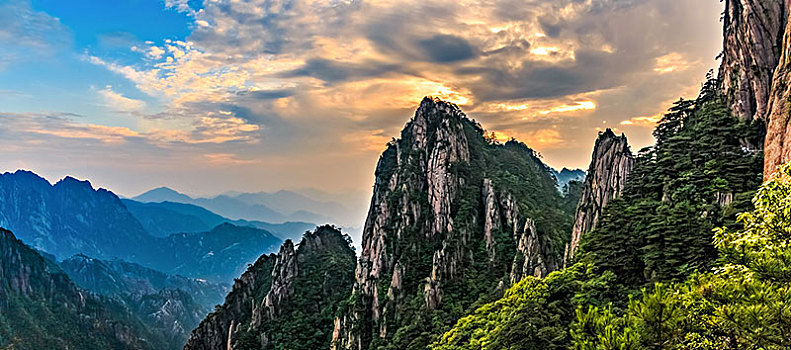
x,y
534,313
745,303
513,168
698,176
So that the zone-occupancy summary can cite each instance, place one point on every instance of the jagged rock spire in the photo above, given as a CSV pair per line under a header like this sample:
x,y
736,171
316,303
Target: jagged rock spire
x,y
611,163
444,201
275,286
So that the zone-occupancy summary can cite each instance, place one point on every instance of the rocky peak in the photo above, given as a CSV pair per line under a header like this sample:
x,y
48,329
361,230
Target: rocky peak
x,y
440,191
753,34
611,163
310,278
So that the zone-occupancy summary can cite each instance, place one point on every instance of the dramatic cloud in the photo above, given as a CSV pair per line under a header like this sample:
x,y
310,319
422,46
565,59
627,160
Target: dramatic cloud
x,y
307,93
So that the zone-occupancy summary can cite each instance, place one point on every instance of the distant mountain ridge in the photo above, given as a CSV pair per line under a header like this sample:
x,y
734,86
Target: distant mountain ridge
x,y
277,207
565,175
164,218
70,217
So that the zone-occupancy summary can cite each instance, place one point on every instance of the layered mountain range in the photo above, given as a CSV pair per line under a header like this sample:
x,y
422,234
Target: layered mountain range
x,y
71,217
468,242
171,305
277,207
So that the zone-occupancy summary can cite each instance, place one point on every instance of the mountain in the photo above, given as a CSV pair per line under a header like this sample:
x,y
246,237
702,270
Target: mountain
x,y
163,194
164,218
253,206
611,163
218,255
299,205
284,301
455,218
292,230
69,217
172,305
42,309
565,176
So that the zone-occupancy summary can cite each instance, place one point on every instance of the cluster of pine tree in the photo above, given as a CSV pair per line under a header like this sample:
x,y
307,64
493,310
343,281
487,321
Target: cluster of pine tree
x,y
651,276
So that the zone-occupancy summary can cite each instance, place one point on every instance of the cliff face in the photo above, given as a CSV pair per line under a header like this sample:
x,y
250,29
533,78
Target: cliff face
x,y
298,287
753,32
449,207
777,146
755,71
611,163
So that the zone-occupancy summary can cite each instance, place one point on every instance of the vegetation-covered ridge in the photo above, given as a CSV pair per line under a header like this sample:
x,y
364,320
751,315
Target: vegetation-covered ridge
x,y
40,308
455,218
626,286
285,301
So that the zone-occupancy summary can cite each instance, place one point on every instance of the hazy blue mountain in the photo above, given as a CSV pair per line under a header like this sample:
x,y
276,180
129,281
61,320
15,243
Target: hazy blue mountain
x,y
69,218
120,278
164,218
565,175
288,230
163,194
173,305
209,255
277,207
300,206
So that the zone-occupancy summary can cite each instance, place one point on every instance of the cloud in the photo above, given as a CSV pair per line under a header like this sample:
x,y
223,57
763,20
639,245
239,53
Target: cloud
x,y
327,82
120,102
28,35
443,48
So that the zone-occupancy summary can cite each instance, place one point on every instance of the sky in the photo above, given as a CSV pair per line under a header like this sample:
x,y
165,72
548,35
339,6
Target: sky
x,y
250,95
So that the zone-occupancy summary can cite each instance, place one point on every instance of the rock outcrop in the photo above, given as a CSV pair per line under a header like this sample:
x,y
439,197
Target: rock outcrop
x,y
752,47
755,71
777,146
448,206
302,284
611,163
